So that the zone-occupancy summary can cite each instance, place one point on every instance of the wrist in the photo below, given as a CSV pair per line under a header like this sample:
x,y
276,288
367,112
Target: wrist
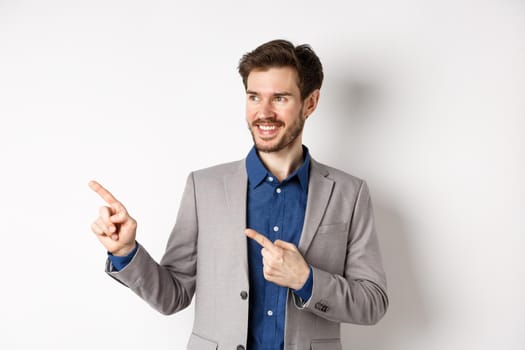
x,y
303,279
124,250
305,291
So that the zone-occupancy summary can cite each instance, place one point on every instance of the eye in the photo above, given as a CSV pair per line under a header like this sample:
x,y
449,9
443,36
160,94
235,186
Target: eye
x,y
253,98
280,99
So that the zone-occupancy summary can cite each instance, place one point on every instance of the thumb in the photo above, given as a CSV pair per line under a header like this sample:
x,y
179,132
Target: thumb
x,y
285,245
120,217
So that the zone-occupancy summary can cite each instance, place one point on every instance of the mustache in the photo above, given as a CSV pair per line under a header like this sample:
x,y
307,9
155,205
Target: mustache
x,y
267,121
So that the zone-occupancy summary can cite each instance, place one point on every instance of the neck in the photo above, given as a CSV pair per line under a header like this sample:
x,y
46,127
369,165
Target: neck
x,y
284,162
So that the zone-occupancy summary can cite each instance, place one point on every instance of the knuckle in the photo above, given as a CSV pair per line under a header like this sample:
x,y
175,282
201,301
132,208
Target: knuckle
x,y
99,222
96,229
103,210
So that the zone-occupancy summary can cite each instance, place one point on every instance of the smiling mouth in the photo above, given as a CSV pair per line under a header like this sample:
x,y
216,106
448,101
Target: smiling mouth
x,y
267,130
267,124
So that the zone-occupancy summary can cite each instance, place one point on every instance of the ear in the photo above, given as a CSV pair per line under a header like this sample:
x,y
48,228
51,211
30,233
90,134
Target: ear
x,y
310,103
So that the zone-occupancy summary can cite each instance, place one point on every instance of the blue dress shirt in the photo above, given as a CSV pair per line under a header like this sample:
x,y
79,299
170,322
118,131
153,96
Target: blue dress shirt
x,y
276,210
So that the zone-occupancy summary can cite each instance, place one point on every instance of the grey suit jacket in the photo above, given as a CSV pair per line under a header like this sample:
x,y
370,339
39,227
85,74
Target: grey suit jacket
x,y
206,256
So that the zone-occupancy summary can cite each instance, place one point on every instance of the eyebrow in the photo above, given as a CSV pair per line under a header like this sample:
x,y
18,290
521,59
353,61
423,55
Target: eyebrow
x,y
250,92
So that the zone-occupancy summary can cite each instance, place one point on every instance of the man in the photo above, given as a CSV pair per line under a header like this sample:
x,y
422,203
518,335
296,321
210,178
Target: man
x,y
277,248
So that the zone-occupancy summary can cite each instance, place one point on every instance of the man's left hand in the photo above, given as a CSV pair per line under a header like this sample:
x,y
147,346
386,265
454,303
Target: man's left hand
x,y
283,264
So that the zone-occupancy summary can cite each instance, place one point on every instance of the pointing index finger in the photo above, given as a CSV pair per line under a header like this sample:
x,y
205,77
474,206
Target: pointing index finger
x,y
104,193
259,238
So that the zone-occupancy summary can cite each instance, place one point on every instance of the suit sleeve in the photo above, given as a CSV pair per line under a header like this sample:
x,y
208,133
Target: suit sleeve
x,y
359,295
169,286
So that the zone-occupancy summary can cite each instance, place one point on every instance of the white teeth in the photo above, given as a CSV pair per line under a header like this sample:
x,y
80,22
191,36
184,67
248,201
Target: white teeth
x,y
267,127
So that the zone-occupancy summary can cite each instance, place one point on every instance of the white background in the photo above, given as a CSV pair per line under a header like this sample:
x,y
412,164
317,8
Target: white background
x,y
423,99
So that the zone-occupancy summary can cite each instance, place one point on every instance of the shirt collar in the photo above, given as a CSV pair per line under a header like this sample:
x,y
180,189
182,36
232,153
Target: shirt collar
x,y
257,172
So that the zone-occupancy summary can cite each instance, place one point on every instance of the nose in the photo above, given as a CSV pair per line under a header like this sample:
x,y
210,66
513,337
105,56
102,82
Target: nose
x,y
265,110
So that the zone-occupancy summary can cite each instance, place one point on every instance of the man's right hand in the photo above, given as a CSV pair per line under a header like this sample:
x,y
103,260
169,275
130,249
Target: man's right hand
x,y
114,228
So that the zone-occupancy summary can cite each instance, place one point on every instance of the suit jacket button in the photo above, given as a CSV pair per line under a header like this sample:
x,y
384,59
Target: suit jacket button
x,y
244,295
240,347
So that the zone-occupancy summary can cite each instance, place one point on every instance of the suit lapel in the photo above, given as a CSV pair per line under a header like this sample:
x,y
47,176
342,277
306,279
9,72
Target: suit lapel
x,y
235,187
319,192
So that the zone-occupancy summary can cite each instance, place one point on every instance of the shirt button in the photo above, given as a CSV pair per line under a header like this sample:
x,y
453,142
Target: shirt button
x,y
270,313
244,295
240,347
270,178
278,190
276,228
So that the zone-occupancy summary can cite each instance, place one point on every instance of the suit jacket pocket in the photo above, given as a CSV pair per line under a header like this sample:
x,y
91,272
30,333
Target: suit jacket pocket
x,y
198,343
326,344
332,228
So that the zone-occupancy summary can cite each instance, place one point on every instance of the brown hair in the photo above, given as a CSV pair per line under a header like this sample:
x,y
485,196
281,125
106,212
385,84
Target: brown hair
x,y
282,53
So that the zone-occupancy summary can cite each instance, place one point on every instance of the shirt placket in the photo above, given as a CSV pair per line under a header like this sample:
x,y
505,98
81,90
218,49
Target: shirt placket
x,y
272,291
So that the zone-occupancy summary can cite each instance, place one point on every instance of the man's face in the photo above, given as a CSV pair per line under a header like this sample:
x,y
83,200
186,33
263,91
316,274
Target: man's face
x,y
274,109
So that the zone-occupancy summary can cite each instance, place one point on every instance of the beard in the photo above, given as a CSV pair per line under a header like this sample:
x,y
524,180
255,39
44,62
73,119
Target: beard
x,y
290,135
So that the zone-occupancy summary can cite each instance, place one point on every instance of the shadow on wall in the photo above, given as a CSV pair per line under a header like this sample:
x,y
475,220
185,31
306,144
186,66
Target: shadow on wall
x,y
406,315
361,104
